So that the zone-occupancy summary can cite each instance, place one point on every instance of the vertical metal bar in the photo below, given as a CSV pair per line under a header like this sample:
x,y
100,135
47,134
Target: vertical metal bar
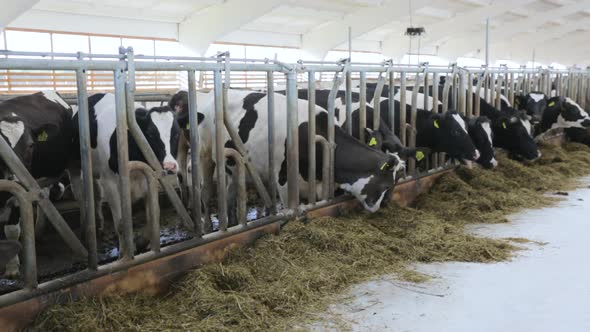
x,y
461,93
377,102
469,100
272,185
412,125
435,85
492,89
195,152
477,98
219,151
348,97
426,91
311,133
87,207
391,103
511,89
363,106
292,141
126,222
331,132
402,108
498,100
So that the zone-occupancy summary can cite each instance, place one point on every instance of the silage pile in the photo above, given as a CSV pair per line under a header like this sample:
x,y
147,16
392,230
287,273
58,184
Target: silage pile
x,y
283,280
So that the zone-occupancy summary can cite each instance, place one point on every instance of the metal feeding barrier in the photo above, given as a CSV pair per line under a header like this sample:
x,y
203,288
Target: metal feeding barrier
x,y
123,68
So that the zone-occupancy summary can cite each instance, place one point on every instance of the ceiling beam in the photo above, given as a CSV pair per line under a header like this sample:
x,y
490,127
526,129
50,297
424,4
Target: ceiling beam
x,y
12,9
467,44
205,26
317,42
441,29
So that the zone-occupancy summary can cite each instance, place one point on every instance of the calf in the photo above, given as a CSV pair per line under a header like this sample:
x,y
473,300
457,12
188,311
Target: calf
x,y
161,131
563,112
39,130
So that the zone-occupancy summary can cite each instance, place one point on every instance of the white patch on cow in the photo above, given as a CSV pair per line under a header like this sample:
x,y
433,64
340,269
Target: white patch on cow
x,y
494,162
357,187
419,99
527,125
582,112
376,206
482,94
488,130
163,121
74,109
537,96
399,165
13,131
460,121
54,97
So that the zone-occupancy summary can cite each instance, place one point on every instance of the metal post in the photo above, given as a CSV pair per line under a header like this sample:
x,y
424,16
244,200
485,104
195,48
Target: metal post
x,y
391,103
377,102
469,100
292,141
412,126
461,93
426,90
477,97
272,181
219,151
241,180
498,100
402,108
363,106
87,208
348,97
126,223
435,85
311,134
511,89
195,152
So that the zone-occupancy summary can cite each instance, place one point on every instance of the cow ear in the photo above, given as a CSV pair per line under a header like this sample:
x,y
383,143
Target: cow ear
x,y
393,162
200,117
142,116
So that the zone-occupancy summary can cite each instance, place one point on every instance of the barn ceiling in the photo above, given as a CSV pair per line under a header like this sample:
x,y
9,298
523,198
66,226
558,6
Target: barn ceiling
x,y
557,30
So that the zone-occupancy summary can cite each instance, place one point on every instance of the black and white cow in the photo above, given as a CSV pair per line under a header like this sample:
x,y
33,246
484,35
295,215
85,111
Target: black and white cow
x,y
364,172
161,131
478,128
534,103
38,128
381,138
8,251
511,129
563,112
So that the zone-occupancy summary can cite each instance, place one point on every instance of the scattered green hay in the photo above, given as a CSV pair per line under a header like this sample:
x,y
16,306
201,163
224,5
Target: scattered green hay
x,y
283,281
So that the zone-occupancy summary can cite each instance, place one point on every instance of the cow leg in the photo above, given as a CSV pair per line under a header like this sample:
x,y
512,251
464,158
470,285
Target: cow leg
x,y
113,198
283,194
232,200
98,199
207,170
12,232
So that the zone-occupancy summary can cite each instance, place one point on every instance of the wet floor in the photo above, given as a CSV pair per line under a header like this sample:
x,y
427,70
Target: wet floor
x,y
545,288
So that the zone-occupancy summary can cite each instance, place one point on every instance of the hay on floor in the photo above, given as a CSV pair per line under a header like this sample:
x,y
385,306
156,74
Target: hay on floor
x,y
281,281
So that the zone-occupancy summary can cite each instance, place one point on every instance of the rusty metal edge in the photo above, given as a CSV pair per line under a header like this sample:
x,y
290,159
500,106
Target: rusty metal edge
x,y
154,273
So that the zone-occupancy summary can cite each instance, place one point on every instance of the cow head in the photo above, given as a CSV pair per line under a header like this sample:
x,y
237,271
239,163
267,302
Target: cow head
x,y
381,141
161,130
19,137
480,132
179,103
512,131
370,185
449,133
571,115
533,103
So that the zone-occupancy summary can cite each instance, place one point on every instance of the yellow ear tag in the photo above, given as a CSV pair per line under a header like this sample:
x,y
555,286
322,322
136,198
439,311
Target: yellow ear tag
x,y
384,166
504,125
436,125
42,137
419,155
551,104
188,126
373,141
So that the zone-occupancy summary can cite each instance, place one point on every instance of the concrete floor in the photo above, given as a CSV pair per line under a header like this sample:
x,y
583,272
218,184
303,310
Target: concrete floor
x,y
545,288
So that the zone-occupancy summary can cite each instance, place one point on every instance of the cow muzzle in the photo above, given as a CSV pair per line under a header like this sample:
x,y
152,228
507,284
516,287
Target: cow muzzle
x,y
171,167
476,155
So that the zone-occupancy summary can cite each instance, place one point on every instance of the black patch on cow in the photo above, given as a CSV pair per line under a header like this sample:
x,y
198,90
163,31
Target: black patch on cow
x,y
283,170
247,122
